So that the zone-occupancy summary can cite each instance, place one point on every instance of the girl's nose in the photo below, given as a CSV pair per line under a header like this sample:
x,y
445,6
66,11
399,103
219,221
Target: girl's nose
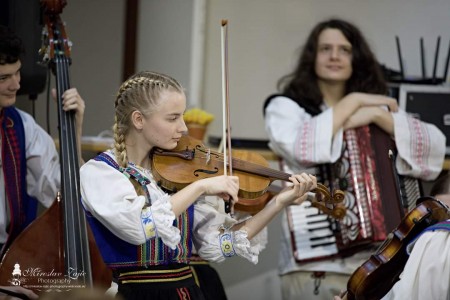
x,y
183,128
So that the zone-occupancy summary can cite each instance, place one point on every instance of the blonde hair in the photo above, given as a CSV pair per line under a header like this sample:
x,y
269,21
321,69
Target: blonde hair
x,y
139,92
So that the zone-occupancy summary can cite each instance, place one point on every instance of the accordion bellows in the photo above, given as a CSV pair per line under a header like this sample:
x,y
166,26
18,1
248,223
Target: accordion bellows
x,y
376,199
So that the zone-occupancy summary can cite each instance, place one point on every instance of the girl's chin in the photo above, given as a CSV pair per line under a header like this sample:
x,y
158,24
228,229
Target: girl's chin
x,y
171,145
167,146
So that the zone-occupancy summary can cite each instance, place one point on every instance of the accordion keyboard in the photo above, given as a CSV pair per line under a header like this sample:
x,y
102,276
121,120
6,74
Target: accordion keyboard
x,y
314,235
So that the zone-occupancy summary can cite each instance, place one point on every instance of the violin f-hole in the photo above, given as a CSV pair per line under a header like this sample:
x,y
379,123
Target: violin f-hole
x,y
215,171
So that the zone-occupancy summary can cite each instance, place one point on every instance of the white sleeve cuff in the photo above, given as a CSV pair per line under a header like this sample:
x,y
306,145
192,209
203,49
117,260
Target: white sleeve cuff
x,y
245,248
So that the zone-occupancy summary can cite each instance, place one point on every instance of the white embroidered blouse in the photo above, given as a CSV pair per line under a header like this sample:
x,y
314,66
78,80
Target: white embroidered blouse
x,y
112,199
427,272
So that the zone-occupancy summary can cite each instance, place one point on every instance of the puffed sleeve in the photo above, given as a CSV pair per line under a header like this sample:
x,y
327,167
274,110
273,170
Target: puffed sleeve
x,y
420,145
43,169
213,238
298,137
427,272
111,198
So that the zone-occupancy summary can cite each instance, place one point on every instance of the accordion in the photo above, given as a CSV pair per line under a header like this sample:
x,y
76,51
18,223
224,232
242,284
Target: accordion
x,y
376,199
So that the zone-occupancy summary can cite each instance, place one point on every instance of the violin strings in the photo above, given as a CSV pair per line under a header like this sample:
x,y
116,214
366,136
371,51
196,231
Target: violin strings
x,y
261,169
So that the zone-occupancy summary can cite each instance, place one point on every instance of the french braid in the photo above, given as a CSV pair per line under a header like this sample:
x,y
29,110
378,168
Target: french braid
x,y
139,92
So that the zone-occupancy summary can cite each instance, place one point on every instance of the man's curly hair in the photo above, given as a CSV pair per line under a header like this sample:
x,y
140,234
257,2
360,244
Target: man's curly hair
x,y
11,47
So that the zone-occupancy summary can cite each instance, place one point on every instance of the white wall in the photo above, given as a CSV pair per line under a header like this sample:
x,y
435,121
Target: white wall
x,y
164,38
171,40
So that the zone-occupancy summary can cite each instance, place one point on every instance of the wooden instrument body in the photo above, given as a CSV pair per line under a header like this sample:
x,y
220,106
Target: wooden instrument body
x,y
253,206
29,245
38,252
195,162
374,278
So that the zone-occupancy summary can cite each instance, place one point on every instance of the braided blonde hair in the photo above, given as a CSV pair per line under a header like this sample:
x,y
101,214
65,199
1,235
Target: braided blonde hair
x,y
139,92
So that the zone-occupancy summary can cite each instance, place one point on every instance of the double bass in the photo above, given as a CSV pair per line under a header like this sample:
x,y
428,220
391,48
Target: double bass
x,y
57,250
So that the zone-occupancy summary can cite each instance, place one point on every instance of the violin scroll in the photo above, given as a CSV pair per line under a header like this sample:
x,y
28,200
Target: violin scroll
x,y
327,203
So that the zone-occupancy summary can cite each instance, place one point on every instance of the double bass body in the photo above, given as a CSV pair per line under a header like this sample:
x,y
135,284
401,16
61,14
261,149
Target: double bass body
x,y
35,259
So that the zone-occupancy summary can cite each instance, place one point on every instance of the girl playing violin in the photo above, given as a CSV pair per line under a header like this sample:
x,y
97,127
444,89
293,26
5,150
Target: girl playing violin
x,y
145,234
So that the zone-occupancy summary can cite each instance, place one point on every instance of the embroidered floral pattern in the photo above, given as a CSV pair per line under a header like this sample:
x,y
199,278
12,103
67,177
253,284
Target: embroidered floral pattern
x,y
148,223
226,244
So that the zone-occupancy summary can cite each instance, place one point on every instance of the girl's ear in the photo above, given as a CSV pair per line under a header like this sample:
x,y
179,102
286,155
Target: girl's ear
x,y
137,120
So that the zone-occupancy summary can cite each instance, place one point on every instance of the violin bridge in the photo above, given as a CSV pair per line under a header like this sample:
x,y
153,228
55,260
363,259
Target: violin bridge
x,y
208,155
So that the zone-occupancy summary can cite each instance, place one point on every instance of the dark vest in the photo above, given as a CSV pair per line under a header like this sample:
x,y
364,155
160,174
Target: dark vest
x,y
23,208
118,253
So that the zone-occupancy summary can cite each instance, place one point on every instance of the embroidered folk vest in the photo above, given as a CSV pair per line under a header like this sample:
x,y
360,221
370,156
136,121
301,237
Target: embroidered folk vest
x,y
22,207
118,253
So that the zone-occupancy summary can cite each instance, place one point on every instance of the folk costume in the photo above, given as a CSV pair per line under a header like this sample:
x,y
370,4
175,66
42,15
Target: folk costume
x,y
29,171
303,138
140,238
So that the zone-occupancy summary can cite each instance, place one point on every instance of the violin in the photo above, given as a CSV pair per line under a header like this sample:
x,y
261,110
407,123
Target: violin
x,y
191,161
375,277
253,206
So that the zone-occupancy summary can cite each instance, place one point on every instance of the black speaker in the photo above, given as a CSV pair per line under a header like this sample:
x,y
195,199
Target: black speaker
x,y
24,17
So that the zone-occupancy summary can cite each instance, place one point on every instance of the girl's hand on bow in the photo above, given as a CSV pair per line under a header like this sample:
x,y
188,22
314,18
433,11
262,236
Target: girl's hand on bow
x,y
225,187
